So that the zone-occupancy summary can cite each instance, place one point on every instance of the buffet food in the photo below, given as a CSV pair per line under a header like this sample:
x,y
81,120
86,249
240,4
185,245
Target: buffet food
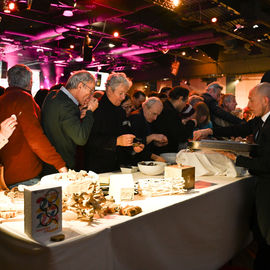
x,y
11,203
86,204
82,199
160,187
92,204
72,181
151,167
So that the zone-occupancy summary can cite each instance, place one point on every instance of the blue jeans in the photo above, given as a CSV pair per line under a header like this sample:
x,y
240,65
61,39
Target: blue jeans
x,y
29,182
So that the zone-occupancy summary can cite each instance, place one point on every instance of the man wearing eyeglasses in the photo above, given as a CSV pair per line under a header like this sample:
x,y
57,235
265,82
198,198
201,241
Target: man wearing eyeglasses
x,y
61,116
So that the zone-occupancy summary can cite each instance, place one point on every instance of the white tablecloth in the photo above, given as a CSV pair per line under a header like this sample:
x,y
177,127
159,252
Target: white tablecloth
x,y
200,230
209,162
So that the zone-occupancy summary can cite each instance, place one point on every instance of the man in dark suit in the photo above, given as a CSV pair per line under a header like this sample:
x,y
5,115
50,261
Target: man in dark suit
x,y
258,163
211,97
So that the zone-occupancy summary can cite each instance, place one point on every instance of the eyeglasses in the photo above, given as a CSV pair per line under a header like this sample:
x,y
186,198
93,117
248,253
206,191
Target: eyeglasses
x,y
91,90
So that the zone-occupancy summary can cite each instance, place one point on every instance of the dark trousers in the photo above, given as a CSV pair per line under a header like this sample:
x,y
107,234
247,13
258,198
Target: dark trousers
x,y
261,226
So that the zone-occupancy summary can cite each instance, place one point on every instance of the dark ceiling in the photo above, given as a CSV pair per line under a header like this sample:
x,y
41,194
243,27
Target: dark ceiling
x,y
153,34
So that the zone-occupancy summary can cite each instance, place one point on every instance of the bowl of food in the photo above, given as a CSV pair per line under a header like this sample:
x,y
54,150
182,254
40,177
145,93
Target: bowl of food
x,y
151,167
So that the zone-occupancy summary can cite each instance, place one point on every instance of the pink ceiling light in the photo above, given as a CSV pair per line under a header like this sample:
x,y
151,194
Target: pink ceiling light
x,y
68,13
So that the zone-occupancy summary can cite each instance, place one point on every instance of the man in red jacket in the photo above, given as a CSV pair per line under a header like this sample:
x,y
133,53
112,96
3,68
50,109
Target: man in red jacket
x,y
28,146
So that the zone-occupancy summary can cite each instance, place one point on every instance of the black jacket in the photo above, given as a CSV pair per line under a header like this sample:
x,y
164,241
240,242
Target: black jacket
x,y
217,111
101,150
259,162
169,123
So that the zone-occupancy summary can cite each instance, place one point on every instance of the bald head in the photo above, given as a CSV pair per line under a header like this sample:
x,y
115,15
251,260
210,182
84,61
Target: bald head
x,y
263,89
259,99
152,108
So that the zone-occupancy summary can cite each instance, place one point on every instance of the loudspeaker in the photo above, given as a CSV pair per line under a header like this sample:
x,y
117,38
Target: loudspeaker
x,y
39,5
3,69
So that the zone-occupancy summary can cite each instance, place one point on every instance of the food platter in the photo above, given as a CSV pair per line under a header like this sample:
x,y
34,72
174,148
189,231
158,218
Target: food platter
x,y
222,145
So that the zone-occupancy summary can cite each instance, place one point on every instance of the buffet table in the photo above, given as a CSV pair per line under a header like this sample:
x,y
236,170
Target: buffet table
x,y
201,229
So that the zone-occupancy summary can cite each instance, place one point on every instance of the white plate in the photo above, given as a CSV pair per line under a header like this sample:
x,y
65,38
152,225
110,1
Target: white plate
x,y
69,186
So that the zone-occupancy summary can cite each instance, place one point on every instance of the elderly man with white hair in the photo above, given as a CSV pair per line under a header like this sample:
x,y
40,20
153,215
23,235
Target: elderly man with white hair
x,y
110,131
258,163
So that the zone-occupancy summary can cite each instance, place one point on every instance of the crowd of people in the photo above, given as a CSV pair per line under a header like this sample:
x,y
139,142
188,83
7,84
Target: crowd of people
x,y
75,127
72,126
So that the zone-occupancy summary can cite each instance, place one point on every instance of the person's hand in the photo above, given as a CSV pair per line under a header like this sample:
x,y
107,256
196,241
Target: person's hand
x,y
202,133
92,104
63,170
192,117
160,138
125,140
83,110
157,158
8,126
138,148
232,156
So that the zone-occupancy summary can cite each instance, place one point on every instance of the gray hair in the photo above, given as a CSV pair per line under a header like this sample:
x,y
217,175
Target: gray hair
x,y
77,77
116,79
263,89
227,98
151,101
215,87
20,76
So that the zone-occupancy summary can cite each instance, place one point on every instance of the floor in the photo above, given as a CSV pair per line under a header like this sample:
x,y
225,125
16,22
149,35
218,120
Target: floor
x,y
244,260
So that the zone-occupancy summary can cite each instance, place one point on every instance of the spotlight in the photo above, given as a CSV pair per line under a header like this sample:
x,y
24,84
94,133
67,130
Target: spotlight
x,y
214,20
111,45
9,6
176,2
183,53
71,46
116,34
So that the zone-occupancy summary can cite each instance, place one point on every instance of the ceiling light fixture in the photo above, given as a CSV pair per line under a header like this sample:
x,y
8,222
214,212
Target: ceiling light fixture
x,y
238,27
214,20
255,26
183,53
68,13
176,3
9,6
168,4
116,34
164,51
111,45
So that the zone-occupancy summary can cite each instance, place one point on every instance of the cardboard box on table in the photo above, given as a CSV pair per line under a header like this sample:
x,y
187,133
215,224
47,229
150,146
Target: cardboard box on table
x,y
187,172
42,211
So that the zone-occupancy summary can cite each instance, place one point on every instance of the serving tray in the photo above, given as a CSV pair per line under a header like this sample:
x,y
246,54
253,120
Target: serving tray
x,y
222,145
